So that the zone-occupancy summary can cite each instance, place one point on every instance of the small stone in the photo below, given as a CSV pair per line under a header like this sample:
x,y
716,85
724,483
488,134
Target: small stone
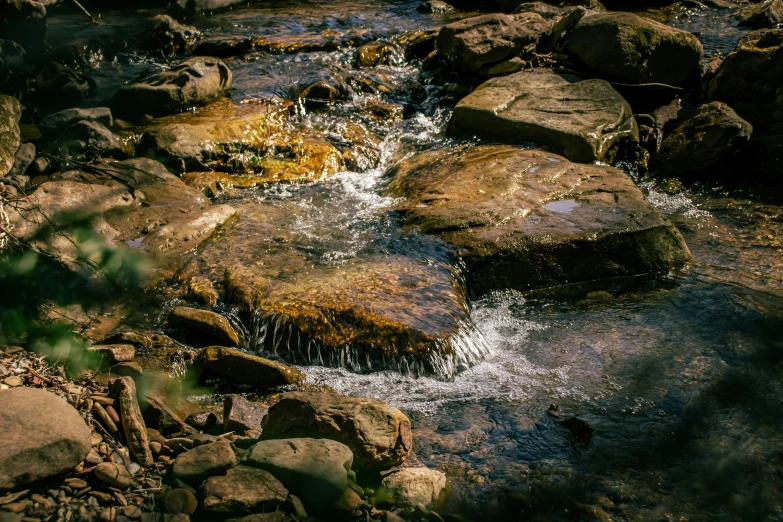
x,y
297,506
75,483
17,507
348,501
240,415
133,512
412,486
103,498
108,514
114,474
179,444
179,500
115,353
156,447
204,461
13,381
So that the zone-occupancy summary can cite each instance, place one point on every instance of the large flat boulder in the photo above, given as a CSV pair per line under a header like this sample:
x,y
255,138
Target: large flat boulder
x,y
469,44
378,434
42,436
10,113
628,48
529,219
195,81
243,490
585,121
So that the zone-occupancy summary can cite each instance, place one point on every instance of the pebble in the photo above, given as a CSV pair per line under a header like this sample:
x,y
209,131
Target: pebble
x,y
156,447
74,482
40,499
113,414
106,401
93,458
179,500
17,507
114,474
133,512
108,514
13,381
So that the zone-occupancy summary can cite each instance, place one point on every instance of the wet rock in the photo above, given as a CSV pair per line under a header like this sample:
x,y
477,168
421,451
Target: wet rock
x,y
10,114
541,218
240,415
196,81
224,46
59,121
166,35
56,86
42,436
24,22
583,120
115,353
247,369
418,44
503,68
325,41
180,500
316,470
24,157
115,475
747,79
133,427
702,139
378,434
435,6
198,8
208,327
764,15
469,44
411,486
373,54
546,11
202,462
628,48
158,415
91,140
243,489
203,421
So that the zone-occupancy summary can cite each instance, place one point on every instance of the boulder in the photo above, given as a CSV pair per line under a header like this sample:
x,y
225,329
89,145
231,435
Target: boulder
x,y
133,427
10,114
196,81
180,500
206,327
378,434
243,490
91,140
202,462
316,470
412,486
247,369
748,79
166,35
42,436
24,157
24,22
520,218
702,139
59,121
584,121
764,15
114,353
158,415
468,44
240,415
629,48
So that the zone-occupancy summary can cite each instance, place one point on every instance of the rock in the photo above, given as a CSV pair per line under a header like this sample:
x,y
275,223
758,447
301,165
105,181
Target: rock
x,y
207,327
523,231
435,6
469,44
196,81
158,415
166,35
748,79
24,22
42,436
411,486
764,15
59,121
703,138
243,489
584,121
203,421
179,500
629,48
546,11
563,26
275,516
198,8
10,114
115,475
503,68
418,44
325,41
378,434
24,157
133,426
348,501
91,140
13,381
240,415
248,369
14,67
57,87
224,46
203,461
373,54
316,470
114,353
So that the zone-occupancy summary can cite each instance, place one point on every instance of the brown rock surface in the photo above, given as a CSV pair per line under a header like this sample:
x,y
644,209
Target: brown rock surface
x,y
245,368
133,426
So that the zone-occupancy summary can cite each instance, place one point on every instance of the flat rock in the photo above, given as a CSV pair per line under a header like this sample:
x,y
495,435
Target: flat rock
x,y
42,436
316,470
202,462
245,368
378,434
704,137
243,489
194,82
115,475
61,120
412,486
626,47
115,353
240,415
584,121
469,44
205,326
520,218
10,114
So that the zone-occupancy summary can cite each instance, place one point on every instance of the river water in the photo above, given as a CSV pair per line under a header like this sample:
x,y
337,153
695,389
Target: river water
x,y
679,377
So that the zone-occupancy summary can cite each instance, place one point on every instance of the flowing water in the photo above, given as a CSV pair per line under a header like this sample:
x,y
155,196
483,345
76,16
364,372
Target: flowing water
x,y
680,378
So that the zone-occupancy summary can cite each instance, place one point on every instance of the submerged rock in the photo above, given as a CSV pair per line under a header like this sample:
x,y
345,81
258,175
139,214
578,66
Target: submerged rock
x,y
469,44
42,436
378,434
520,218
245,368
702,139
243,490
412,486
10,114
627,47
585,121
205,326
196,81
